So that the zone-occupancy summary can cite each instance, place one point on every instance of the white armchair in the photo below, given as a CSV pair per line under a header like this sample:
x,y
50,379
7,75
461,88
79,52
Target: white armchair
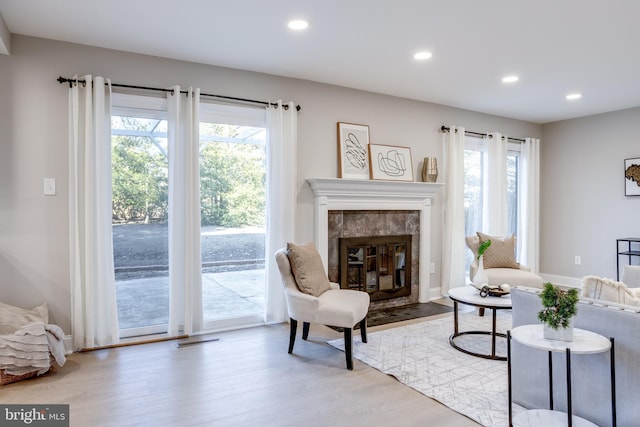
x,y
521,276
335,307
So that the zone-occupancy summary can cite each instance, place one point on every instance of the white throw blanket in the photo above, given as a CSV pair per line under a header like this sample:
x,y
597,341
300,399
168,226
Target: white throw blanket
x,y
30,349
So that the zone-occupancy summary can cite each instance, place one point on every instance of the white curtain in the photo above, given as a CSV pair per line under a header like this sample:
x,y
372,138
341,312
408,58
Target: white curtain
x,y
529,190
94,317
185,276
495,217
281,201
453,265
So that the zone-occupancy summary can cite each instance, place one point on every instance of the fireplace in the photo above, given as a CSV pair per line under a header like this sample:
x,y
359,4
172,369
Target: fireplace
x,y
378,265
385,197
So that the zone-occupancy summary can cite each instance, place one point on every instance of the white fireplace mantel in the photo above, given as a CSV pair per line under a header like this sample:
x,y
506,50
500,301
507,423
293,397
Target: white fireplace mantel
x,y
350,194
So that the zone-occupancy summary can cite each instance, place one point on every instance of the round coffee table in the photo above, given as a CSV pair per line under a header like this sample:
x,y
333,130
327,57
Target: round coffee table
x,y
469,295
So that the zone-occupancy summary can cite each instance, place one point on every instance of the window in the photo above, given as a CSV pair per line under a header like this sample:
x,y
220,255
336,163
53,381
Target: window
x,y
475,161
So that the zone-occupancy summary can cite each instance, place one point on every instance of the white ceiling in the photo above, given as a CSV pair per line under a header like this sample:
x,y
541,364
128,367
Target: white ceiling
x,y
554,46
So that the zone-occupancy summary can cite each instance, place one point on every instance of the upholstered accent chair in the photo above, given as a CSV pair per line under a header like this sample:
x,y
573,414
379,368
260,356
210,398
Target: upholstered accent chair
x,y
499,262
336,307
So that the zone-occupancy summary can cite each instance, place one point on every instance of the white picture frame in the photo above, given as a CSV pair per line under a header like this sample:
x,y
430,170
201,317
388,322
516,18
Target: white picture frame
x,y
632,177
390,163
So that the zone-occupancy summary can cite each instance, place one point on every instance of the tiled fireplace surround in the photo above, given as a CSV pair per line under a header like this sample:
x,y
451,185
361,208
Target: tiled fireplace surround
x,y
355,208
364,223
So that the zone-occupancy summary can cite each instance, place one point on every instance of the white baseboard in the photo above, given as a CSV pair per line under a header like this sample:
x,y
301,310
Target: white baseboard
x,y
434,294
572,282
68,344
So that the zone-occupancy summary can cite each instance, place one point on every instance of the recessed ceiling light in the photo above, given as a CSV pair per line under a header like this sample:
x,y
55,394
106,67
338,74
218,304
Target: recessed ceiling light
x,y
510,79
298,24
422,55
573,96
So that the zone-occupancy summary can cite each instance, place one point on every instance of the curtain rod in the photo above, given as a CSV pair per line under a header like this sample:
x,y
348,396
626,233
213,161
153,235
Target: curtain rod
x,y
443,129
62,80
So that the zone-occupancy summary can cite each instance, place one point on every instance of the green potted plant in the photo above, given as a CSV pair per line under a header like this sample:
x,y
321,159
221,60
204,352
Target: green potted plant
x,y
559,307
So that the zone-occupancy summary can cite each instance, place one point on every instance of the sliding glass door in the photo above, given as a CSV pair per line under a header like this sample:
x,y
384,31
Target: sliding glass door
x,y
232,186
233,215
139,161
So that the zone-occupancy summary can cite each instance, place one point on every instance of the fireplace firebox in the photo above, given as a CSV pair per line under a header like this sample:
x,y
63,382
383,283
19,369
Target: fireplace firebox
x,y
379,265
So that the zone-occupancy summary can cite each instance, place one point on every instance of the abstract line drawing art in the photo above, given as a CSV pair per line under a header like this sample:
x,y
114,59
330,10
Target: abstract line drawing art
x,y
389,162
353,154
356,153
392,163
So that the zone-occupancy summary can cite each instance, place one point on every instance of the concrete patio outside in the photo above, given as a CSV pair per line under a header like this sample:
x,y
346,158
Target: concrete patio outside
x,y
145,301
232,274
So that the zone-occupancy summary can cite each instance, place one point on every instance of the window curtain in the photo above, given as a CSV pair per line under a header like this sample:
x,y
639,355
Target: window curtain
x,y
453,269
529,190
281,201
94,316
495,209
185,277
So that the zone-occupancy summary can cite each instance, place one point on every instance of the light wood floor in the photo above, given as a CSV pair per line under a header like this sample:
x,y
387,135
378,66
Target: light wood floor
x,y
247,378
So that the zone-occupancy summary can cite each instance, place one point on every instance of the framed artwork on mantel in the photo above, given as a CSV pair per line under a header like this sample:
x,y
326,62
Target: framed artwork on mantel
x,y
353,155
632,177
392,163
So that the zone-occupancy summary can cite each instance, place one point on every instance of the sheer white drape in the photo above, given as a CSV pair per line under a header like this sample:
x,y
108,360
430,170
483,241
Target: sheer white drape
x,y
453,268
495,217
529,190
185,271
94,317
281,201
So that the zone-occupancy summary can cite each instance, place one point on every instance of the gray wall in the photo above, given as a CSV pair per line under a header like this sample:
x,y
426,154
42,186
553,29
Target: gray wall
x,y
33,145
583,206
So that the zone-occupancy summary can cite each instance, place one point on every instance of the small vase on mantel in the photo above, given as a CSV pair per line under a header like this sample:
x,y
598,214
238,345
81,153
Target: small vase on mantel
x,y
480,279
430,169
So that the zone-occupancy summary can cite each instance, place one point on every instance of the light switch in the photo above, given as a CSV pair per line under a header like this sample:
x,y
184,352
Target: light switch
x,y
49,186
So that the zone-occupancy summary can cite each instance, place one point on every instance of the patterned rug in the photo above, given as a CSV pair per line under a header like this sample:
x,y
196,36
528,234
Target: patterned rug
x,y
420,356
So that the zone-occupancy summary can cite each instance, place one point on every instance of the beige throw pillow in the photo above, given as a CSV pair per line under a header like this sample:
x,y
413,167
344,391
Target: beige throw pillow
x,y
501,253
307,268
13,318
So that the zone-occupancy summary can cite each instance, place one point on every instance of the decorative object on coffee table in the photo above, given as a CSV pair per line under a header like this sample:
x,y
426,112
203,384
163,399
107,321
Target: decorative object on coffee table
x,y
495,291
480,279
559,307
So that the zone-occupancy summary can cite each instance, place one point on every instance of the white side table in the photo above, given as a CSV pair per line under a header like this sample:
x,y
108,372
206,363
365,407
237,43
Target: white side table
x,y
584,342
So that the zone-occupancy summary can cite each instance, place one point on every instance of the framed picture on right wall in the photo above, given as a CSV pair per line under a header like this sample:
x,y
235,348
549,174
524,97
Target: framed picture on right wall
x,y
632,177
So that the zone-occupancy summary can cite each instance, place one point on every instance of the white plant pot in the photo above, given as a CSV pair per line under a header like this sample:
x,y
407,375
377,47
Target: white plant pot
x,y
560,334
480,279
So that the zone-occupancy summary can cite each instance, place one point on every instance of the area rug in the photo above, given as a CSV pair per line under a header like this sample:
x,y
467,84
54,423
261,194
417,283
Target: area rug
x,y
420,356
